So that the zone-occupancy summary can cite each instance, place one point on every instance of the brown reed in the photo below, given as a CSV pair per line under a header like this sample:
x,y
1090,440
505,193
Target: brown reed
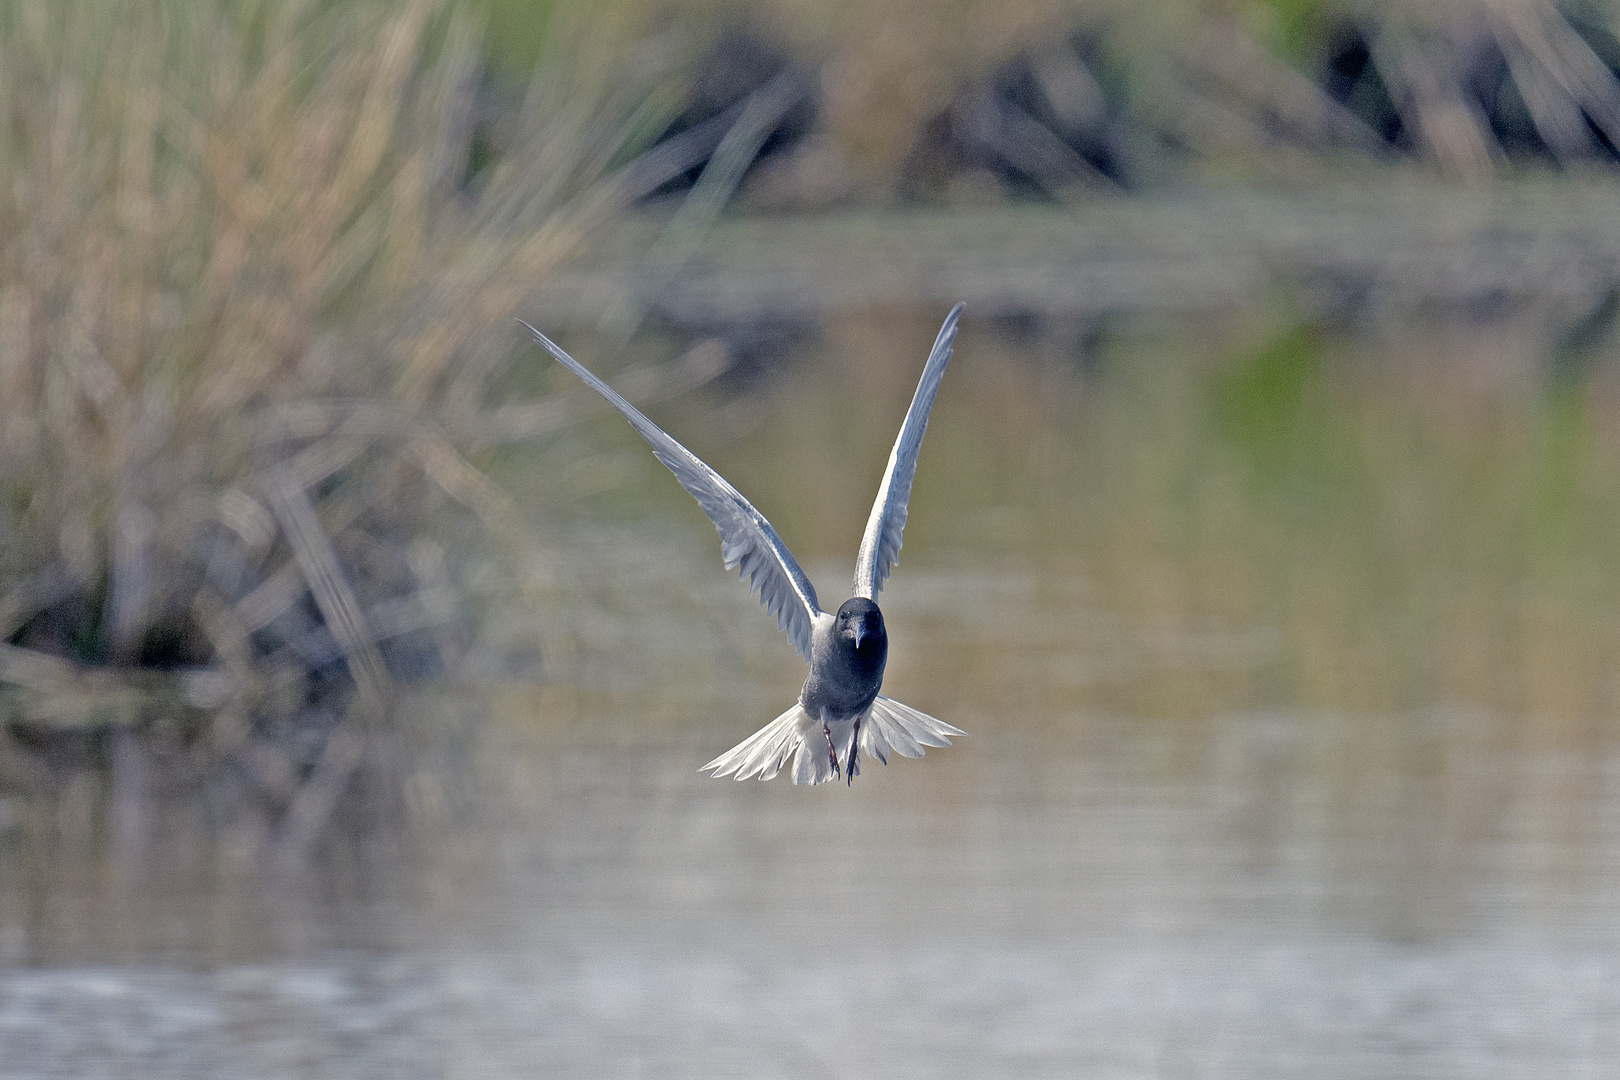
x,y
258,268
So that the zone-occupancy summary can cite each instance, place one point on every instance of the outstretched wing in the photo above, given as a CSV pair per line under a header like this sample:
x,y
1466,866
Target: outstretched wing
x,y
880,547
746,538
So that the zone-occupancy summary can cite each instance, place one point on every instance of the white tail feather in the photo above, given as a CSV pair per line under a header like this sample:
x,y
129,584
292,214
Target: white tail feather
x,y
891,725
887,725
764,752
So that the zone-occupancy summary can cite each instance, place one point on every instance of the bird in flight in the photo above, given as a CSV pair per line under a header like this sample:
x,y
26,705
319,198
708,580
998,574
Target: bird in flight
x,y
839,714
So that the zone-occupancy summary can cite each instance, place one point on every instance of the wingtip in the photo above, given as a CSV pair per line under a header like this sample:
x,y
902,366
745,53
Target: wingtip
x,y
551,346
945,340
591,379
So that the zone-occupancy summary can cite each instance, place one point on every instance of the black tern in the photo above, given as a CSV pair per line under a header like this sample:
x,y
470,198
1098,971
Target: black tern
x,y
840,713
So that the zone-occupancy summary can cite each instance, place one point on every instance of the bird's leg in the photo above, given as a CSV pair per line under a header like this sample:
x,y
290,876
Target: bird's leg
x,y
832,754
852,766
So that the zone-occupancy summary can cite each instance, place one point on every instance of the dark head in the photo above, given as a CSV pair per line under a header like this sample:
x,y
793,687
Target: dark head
x,y
861,623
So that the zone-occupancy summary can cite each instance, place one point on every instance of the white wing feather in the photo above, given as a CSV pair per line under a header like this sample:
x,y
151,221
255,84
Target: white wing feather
x,y
880,547
746,538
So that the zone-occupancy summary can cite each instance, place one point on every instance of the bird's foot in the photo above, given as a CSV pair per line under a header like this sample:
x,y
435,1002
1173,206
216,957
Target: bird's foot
x,y
832,754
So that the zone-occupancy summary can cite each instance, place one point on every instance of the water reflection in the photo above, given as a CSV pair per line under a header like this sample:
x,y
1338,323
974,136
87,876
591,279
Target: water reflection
x,y
1286,660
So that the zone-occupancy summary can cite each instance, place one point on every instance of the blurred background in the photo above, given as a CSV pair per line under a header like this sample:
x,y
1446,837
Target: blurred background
x,y
356,663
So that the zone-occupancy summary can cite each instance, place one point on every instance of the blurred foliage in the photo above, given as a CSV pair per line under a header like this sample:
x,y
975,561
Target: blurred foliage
x,y
252,312
1292,26
965,100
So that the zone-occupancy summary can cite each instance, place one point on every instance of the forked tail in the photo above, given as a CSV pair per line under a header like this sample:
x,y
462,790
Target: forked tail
x,y
887,725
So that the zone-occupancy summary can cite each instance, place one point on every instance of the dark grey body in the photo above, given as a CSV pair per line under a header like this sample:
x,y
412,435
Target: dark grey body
x,y
846,671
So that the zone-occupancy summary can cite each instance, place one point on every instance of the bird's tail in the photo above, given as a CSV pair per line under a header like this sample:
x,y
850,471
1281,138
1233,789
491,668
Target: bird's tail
x,y
887,725
890,725
764,752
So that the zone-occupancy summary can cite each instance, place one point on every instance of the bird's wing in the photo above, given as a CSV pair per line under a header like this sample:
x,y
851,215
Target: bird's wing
x,y
746,538
880,547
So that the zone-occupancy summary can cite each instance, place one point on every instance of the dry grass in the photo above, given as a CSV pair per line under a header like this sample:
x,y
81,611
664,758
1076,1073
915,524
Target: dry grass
x,y
252,305
1470,89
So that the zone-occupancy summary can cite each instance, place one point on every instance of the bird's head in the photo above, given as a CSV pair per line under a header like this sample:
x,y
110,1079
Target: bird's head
x,y
860,621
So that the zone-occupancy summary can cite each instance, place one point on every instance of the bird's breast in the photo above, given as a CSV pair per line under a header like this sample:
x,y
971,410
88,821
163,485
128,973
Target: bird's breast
x,y
843,680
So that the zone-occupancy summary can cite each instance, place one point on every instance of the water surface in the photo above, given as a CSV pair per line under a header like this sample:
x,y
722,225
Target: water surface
x,y
1286,655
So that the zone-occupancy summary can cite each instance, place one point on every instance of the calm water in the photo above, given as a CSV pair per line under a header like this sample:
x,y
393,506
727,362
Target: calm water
x,y
1288,661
